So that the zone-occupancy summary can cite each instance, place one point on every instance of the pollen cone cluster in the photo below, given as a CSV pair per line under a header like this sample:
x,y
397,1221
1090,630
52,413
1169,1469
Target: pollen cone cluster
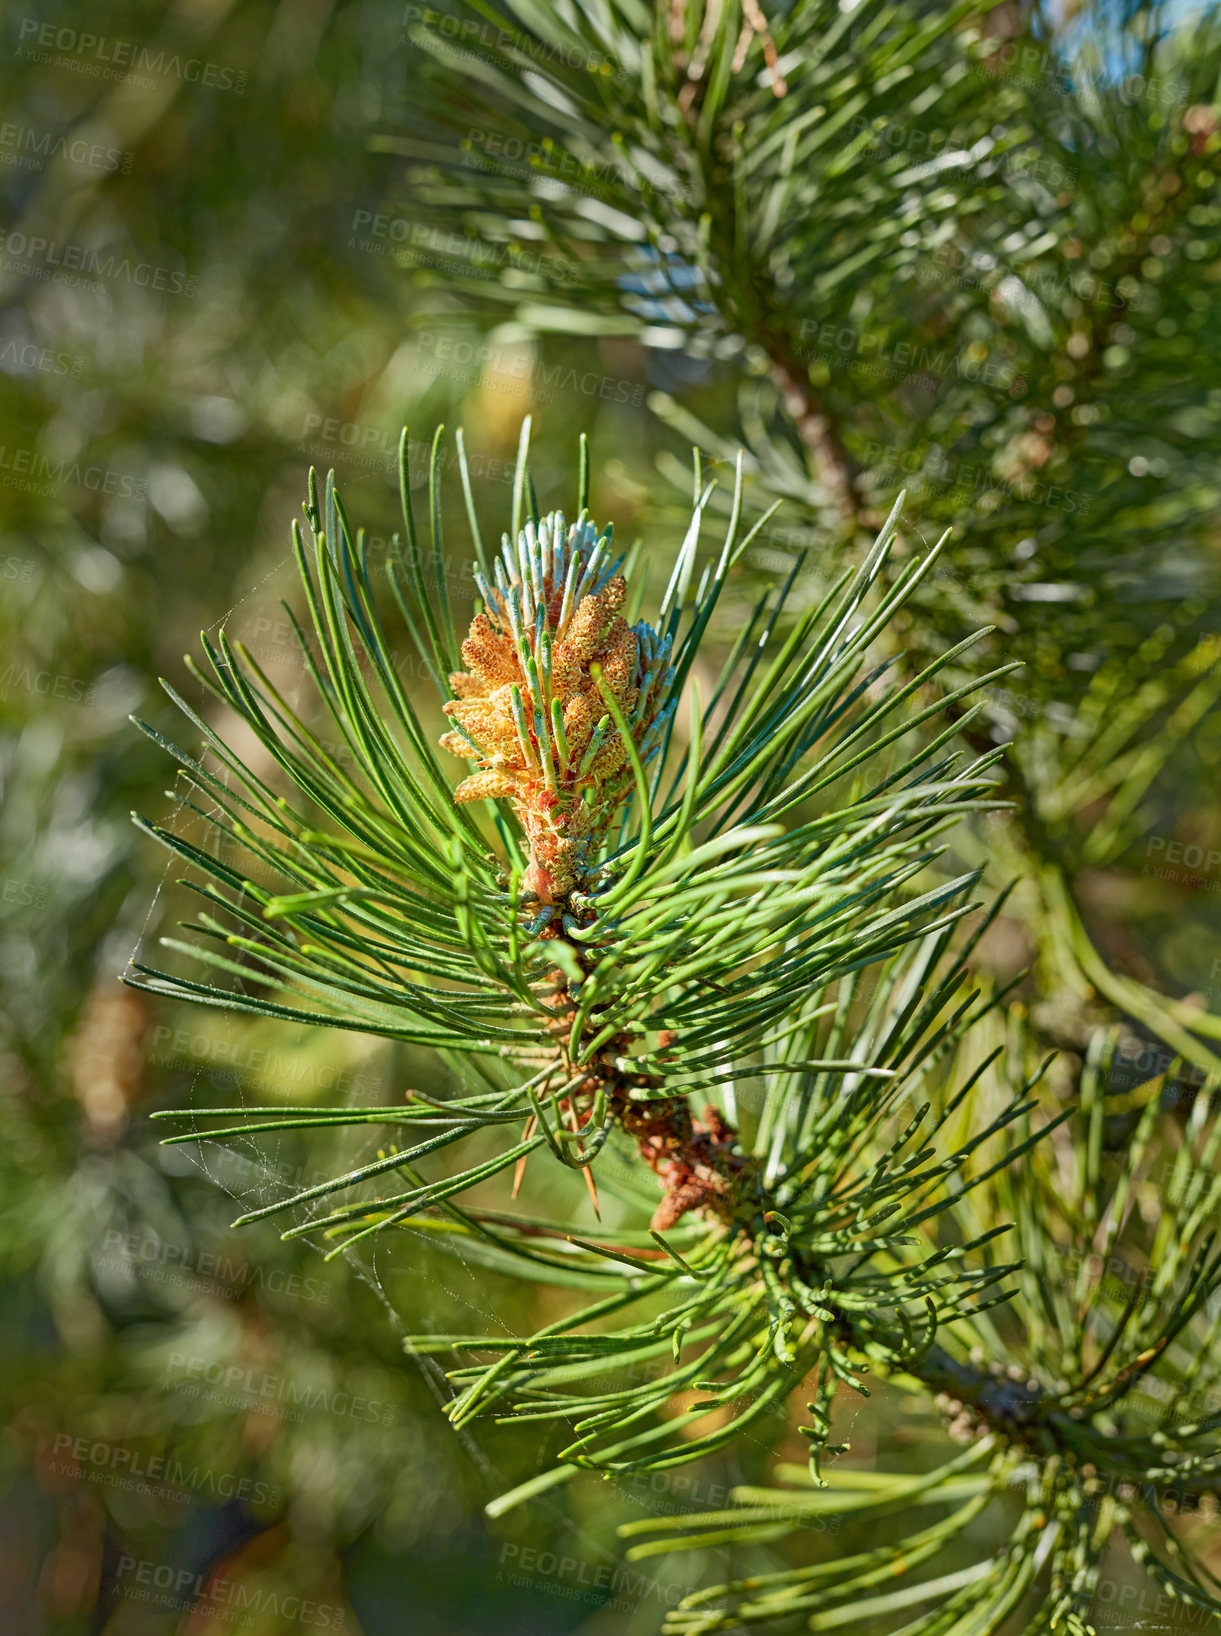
x,y
530,709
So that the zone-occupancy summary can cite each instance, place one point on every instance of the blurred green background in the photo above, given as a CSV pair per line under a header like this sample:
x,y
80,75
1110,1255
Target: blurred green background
x,y
203,1425
199,301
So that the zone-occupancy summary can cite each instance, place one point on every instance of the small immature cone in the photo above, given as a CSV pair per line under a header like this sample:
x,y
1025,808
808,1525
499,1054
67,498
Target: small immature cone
x,y
528,709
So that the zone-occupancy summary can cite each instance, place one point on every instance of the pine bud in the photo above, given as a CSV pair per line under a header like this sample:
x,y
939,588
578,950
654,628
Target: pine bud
x,y
543,658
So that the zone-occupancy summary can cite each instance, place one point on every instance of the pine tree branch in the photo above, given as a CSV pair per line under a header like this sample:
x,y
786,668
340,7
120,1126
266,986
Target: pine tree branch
x,y
597,958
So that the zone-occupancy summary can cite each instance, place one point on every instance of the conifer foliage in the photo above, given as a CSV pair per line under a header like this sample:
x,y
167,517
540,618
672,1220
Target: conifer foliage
x,y
964,249
691,928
